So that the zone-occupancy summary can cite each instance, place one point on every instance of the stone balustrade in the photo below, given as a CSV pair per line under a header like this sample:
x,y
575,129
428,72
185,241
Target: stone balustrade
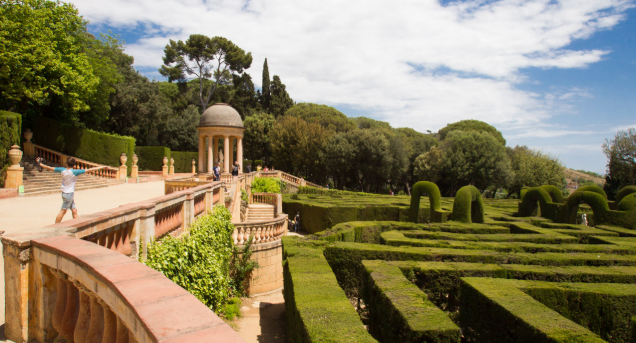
x,y
226,177
124,231
274,199
60,159
262,231
83,292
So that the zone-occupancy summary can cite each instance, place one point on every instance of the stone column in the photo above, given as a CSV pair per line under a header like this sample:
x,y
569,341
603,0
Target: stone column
x,y
226,154
210,154
15,173
201,154
216,150
239,153
232,158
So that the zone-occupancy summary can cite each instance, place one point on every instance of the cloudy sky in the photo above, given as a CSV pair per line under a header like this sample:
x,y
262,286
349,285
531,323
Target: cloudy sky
x,y
554,75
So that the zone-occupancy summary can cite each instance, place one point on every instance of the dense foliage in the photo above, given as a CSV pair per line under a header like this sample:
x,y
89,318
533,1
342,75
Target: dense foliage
x,y
199,261
266,185
10,128
621,166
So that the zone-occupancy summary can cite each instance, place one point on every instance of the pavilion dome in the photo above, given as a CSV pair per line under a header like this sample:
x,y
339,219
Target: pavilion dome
x,y
221,114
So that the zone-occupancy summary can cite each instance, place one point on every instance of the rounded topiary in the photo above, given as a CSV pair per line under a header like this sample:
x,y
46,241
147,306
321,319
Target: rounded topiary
x,y
528,205
596,201
554,192
627,203
468,206
625,191
434,196
592,188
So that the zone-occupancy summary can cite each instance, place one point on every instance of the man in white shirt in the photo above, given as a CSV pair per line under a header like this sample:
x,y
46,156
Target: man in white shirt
x,y
69,178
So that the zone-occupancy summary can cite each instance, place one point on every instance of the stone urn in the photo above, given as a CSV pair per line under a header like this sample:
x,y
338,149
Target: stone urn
x,y
123,158
171,161
165,161
28,134
15,155
135,159
193,162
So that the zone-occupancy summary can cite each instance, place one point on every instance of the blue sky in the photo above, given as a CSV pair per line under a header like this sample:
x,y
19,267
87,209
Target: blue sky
x,y
554,75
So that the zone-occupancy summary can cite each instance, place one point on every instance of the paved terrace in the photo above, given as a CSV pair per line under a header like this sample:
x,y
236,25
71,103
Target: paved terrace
x,y
22,213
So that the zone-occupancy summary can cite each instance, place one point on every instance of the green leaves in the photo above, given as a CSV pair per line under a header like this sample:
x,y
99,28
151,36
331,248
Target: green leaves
x,y
199,261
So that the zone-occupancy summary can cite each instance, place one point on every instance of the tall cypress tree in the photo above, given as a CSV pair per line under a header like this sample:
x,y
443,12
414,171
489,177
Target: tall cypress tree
x,y
280,101
265,94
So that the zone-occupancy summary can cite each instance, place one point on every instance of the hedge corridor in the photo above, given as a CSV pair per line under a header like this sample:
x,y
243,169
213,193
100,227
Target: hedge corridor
x,y
487,271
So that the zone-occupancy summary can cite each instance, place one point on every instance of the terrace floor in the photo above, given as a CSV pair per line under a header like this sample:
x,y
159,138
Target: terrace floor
x,y
22,213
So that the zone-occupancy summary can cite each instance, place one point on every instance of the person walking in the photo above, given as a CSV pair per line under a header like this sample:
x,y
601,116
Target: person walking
x,y
217,172
69,178
249,168
297,222
235,169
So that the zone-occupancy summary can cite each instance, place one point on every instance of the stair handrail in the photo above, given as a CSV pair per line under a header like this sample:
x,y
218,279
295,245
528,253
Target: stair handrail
x,y
60,159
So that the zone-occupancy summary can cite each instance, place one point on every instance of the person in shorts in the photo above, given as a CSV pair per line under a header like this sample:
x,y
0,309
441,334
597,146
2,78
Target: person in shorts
x,y
69,178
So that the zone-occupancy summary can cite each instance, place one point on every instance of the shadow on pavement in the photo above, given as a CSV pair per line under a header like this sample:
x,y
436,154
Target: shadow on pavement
x,y
273,323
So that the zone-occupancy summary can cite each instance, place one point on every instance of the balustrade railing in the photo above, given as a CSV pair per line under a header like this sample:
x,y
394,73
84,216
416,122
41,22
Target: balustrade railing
x,y
60,159
226,177
263,231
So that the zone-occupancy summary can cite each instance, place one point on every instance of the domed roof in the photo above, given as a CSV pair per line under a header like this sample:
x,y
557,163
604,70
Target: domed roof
x,y
221,115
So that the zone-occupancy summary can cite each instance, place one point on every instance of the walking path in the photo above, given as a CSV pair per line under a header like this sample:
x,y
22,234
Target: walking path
x,y
22,213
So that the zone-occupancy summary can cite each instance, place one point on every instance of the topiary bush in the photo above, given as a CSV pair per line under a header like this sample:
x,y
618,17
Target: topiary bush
x,y
10,129
628,203
434,197
625,191
89,145
468,206
592,188
198,261
266,185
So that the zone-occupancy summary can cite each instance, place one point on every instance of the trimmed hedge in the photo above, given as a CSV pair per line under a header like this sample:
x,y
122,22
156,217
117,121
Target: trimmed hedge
x,y
10,130
625,191
316,308
437,215
151,157
497,311
183,161
325,191
92,146
468,206
399,311
594,189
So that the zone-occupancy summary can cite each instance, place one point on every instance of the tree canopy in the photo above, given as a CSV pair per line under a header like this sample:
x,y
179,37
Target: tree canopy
x,y
471,125
532,169
327,116
621,165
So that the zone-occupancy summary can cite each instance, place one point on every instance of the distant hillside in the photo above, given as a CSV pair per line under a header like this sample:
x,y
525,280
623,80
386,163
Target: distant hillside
x,y
572,176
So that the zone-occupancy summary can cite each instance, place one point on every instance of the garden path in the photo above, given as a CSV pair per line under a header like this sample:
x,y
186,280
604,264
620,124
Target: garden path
x,y
22,213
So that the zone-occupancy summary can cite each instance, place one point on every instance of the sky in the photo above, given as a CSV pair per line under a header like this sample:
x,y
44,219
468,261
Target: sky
x,y
558,76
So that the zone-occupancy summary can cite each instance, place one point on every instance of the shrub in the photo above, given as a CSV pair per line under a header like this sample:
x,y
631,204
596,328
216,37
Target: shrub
x,y
242,267
183,161
232,309
266,185
151,157
89,145
422,188
10,129
468,206
625,191
198,261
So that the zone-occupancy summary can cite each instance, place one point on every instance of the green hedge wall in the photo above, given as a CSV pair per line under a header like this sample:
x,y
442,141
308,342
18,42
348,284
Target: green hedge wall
x,y
625,191
151,157
434,197
468,206
10,130
92,146
183,161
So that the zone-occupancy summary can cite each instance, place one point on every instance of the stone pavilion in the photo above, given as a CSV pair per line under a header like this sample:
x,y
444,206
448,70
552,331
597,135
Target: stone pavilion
x,y
220,121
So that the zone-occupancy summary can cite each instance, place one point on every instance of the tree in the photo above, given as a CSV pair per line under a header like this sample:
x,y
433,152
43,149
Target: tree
x,y
621,156
428,166
279,101
337,155
265,94
472,125
257,144
327,116
296,147
205,58
244,99
532,169
372,161
43,67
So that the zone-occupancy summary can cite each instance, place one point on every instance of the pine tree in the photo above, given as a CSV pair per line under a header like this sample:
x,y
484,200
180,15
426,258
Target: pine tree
x,y
280,101
265,94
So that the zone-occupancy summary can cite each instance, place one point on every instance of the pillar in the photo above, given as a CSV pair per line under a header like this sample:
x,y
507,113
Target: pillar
x,y
210,154
226,154
201,154
232,159
216,150
239,147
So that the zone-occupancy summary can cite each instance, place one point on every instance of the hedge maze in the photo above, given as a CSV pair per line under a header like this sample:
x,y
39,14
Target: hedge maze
x,y
463,269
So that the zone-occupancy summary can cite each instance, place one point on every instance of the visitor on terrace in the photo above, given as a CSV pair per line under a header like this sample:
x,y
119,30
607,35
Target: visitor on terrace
x,y
259,168
69,178
249,168
265,169
235,169
297,222
217,172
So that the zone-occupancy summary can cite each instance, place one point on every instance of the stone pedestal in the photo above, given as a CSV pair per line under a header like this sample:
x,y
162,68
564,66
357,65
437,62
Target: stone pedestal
x,y
123,172
194,168
164,169
14,177
171,166
134,172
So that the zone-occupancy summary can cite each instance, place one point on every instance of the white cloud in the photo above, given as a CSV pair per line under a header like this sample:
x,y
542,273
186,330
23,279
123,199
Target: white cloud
x,y
384,57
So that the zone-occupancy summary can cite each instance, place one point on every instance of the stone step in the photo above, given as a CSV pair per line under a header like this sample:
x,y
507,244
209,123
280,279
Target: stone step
x,y
53,191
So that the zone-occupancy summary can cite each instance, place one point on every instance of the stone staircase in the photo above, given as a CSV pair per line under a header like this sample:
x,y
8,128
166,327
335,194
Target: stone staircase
x,y
258,212
48,182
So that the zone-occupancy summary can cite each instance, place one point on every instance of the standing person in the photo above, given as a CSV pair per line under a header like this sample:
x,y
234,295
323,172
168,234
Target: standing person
x,y
69,178
259,168
249,168
217,172
235,169
297,222
265,169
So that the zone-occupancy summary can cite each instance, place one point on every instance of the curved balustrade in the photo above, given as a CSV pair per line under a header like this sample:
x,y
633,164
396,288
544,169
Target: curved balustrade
x,y
60,159
262,231
101,296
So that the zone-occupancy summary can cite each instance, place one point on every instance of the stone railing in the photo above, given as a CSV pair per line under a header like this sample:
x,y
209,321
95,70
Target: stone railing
x,y
82,292
60,159
311,184
273,199
262,231
226,177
